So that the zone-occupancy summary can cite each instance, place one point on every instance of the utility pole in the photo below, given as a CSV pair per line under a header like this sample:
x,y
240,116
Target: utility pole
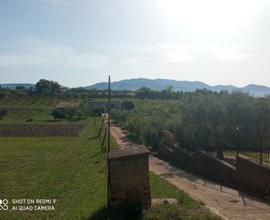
x,y
109,141
109,115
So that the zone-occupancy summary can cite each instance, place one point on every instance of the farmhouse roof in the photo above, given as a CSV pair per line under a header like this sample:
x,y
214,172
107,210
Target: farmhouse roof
x,y
131,151
66,104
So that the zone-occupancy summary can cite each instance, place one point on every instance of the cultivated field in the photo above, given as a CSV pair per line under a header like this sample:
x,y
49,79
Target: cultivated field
x,y
40,130
29,110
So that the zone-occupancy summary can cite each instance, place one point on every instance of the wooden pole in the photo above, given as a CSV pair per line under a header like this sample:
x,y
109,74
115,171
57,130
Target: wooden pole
x,y
109,140
109,115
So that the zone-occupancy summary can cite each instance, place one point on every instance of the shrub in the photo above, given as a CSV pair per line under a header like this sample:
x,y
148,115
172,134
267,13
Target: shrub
x,y
67,113
3,112
29,120
151,131
97,111
127,105
119,116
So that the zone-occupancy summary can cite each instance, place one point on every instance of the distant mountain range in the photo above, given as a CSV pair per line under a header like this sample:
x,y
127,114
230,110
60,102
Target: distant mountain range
x,y
185,86
160,84
14,85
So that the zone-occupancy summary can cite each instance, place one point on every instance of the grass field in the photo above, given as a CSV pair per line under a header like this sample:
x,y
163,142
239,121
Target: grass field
x,y
72,170
30,101
20,110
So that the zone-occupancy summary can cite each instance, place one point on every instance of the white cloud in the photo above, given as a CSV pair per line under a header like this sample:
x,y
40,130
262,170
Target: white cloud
x,y
163,52
37,52
231,55
23,59
178,52
172,53
136,60
176,57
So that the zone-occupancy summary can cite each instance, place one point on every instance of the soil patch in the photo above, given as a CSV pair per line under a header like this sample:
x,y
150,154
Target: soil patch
x,y
40,130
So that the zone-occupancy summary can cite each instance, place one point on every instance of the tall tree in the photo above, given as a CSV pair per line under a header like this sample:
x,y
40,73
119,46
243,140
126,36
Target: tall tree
x,y
48,88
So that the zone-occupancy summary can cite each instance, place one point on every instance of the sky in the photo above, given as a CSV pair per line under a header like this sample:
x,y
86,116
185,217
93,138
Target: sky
x,y
81,42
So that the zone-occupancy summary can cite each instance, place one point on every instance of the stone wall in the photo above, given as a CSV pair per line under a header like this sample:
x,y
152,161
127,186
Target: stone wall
x,y
176,156
251,176
212,167
185,158
129,181
248,175
199,163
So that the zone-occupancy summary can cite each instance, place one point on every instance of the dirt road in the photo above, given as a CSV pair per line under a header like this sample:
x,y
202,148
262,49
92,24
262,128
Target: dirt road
x,y
223,201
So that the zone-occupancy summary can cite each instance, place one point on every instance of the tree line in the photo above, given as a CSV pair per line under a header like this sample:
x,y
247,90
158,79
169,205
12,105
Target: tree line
x,y
50,88
200,119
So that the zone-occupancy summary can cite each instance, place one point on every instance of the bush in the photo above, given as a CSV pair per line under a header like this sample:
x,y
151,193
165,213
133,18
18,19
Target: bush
x,y
3,112
29,120
151,131
67,113
119,116
127,105
134,124
98,111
